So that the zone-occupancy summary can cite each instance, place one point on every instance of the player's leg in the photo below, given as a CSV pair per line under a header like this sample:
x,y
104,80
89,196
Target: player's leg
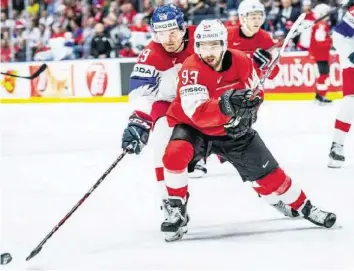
x,y
256,164
186,144
159,139
345,116
322,83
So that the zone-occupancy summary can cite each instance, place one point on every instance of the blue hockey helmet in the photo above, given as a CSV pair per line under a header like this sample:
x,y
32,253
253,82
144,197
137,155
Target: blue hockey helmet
x,y
167,17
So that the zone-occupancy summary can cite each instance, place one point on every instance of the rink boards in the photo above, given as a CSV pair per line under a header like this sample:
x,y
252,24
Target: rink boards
x,y
108,81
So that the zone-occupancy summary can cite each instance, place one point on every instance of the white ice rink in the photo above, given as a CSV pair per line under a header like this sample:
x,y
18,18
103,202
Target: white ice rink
x,y
53,153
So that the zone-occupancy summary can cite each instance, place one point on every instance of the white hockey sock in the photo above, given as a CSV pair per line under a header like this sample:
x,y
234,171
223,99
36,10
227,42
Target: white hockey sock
x,y
344,120
177,183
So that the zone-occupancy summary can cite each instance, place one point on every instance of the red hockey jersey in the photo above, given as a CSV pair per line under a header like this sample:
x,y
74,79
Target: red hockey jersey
x,y
199,88
321,41
237,40
155,66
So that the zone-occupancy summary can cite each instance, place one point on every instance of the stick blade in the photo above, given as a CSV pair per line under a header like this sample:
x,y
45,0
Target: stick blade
x,y
34,253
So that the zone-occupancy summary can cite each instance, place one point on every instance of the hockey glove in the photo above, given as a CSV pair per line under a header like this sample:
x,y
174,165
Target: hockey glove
x,y
238,103
237,128
262,58
136,135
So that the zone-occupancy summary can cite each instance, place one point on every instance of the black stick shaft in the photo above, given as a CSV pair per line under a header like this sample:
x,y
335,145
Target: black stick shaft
x,y
33,76
65,218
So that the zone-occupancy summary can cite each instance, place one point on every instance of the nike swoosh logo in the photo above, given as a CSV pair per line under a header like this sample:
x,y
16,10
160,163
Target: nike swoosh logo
x,y
219,80
265,165
236,43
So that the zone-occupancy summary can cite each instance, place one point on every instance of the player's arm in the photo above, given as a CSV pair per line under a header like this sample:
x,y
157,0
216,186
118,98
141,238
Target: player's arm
x,y
193,88
240,103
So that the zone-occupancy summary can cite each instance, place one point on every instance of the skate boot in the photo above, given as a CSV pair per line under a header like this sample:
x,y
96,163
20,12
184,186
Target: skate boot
x,y
336,156
197,170
322,100
175,226
317,216
286,209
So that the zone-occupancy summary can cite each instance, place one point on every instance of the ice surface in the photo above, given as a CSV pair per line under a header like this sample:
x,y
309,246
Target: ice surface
x,y
53,153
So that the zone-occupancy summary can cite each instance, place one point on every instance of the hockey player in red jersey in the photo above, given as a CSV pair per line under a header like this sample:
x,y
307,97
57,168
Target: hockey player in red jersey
x,y
343,41
250,38
213,112
319,50
153,86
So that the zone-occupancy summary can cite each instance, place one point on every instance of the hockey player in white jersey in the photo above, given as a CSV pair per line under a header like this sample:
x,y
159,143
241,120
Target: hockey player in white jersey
x,y
343,41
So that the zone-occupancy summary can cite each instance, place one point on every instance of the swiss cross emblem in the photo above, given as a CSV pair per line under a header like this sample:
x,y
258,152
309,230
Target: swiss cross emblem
x,y
207,27
163,16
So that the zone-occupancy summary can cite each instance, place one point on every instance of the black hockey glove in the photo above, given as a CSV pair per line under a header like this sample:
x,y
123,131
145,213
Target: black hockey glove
x,y
243,110
237,128
238,103
136,135
262,58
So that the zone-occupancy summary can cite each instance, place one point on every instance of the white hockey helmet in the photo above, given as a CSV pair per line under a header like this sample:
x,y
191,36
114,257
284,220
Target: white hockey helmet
x,y
210,30
321,10
247,6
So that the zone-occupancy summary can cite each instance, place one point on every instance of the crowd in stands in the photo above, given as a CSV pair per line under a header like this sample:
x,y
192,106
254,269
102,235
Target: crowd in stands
x,y
72,29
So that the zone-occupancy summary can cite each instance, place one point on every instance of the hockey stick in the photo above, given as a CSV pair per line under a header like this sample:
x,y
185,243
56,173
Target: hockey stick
x,y
31,77
65,218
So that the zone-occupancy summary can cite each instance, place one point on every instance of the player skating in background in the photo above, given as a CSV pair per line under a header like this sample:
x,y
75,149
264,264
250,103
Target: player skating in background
x,y
250,38
213,110
319,50
343,41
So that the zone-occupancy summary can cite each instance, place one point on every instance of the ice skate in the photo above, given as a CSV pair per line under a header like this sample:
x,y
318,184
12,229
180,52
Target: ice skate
x,y
198,170
336,156
322,100
175,225
286,209
317,216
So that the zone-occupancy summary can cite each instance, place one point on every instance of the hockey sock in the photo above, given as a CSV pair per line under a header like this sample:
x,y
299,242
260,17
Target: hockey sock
x,y
322,85
344,120
177,156
277,186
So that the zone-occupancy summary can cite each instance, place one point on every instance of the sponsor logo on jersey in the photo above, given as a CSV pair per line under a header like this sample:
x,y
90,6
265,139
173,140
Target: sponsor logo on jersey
x,y
142,70
193,90
160,26
97,79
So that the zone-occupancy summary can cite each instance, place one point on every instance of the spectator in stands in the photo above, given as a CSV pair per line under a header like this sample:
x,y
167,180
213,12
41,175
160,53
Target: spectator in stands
x,y
232,19
148,9
128,13
127,50
286,16
101,45
140,34
5,51
88,34
46,18
196,7
33,8
20,50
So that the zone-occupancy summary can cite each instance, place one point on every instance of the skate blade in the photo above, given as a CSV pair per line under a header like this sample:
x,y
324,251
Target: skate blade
x,y
196,174
335,163
174,236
